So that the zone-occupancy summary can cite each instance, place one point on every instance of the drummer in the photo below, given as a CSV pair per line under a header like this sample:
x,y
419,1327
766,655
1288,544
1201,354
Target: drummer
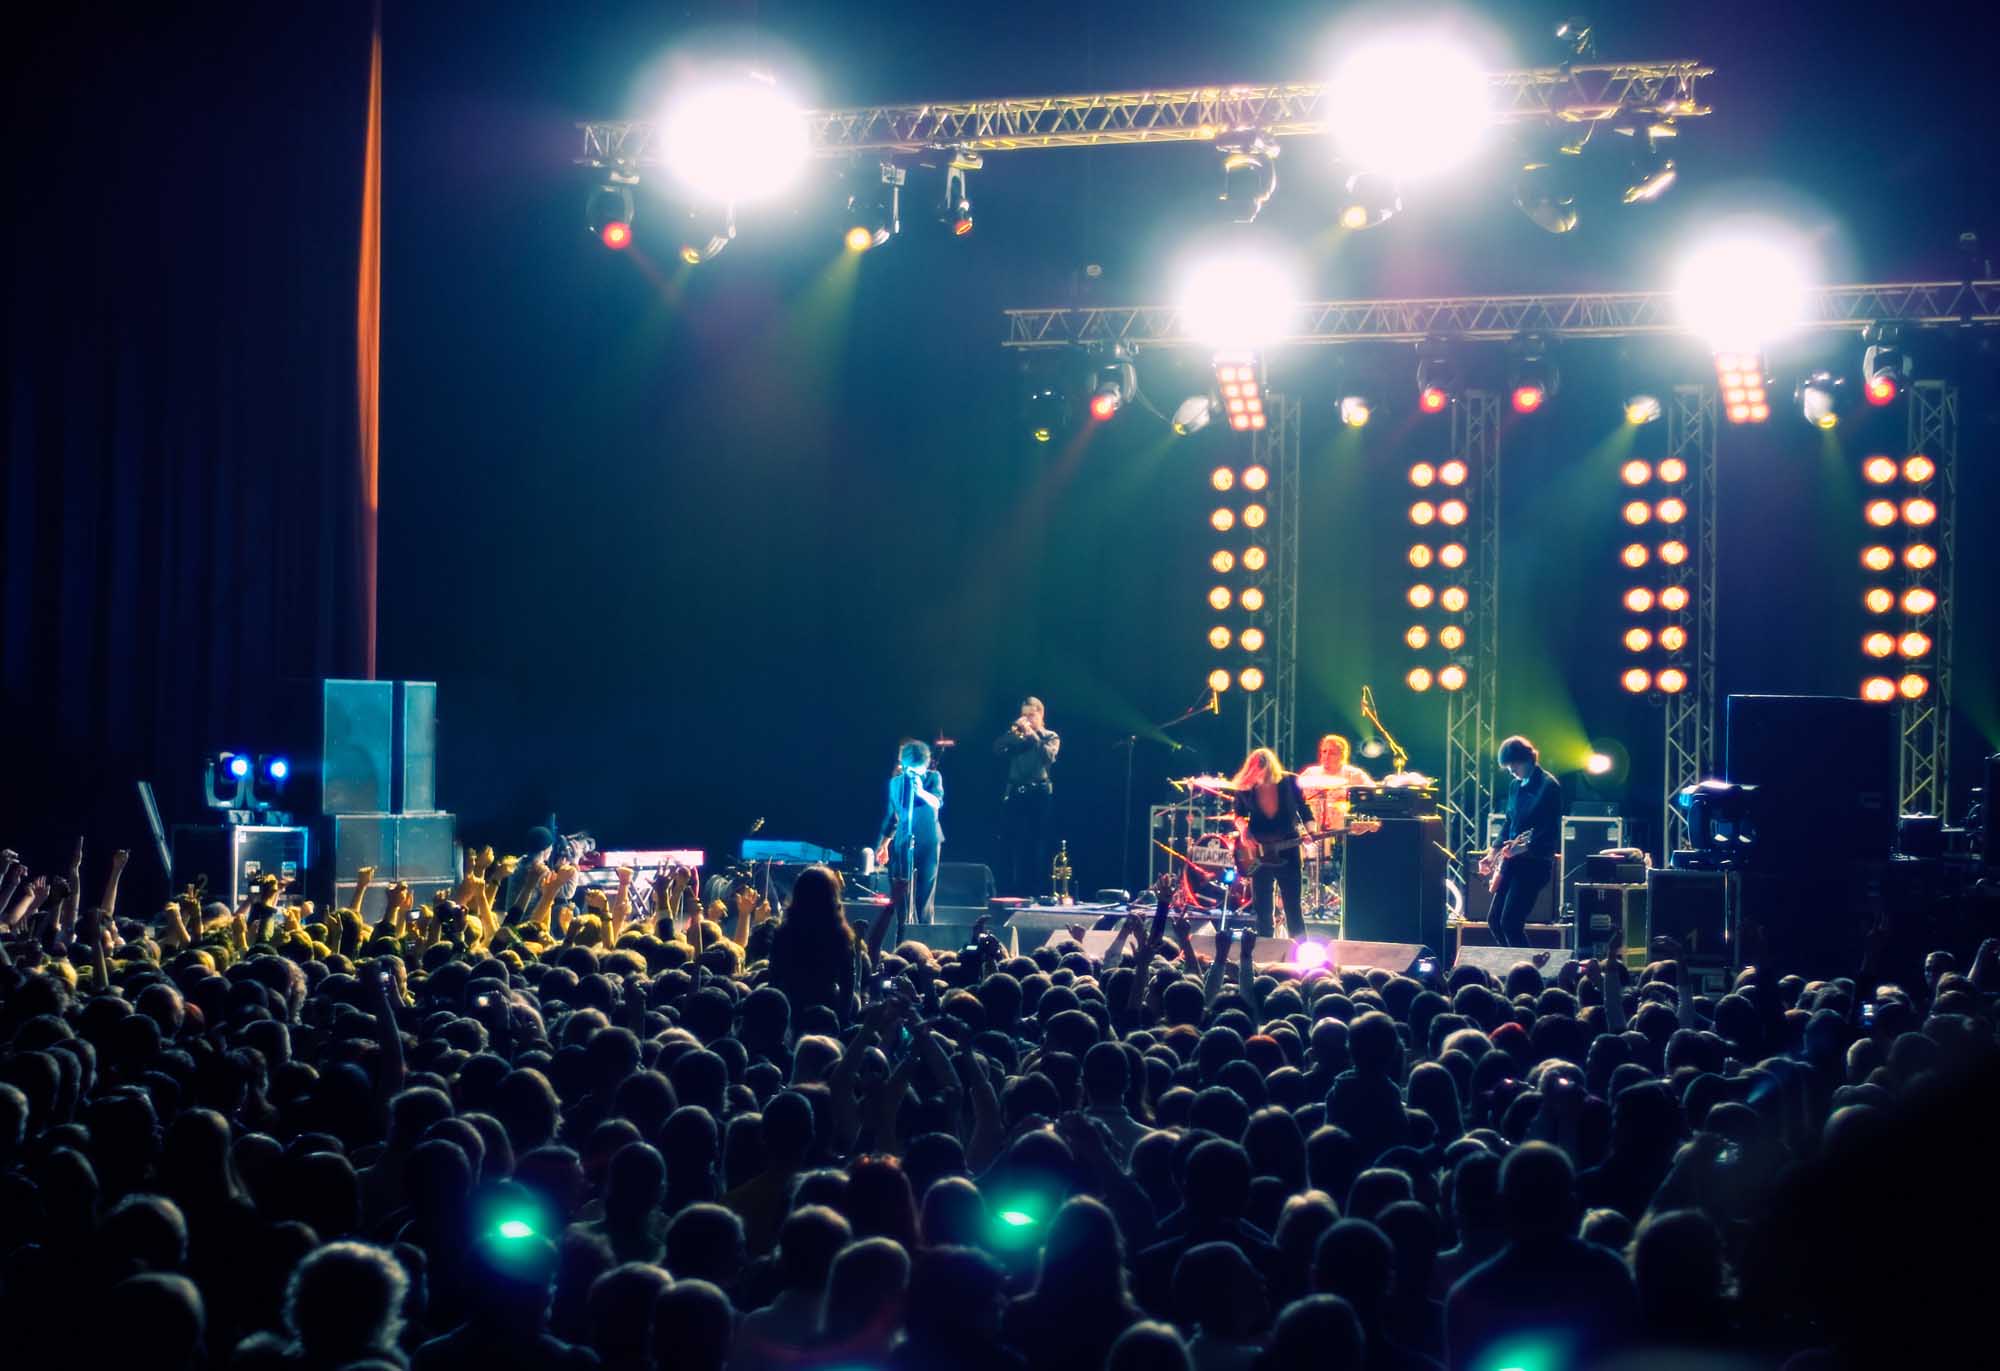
x,y
1325,783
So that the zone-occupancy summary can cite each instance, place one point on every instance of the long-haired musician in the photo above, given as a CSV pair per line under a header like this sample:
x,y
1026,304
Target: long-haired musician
x,y
1270,808
1533,833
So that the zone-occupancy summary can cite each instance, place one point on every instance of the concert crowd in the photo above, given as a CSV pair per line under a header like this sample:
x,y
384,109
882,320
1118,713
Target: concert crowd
x,y
500,1130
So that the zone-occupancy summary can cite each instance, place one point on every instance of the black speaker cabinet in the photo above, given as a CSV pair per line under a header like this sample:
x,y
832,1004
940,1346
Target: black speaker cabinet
x,y
965,885
1392,884
1825,771
357,735
1691,908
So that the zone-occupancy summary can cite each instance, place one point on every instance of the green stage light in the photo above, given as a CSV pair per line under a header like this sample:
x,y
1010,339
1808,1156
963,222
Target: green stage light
x,y
515,1229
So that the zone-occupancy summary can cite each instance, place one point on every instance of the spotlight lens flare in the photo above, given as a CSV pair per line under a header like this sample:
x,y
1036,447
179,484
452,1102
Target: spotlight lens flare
x,y
1411,105
617,234
859,239
1597,764
765,150
1238,302
1742,290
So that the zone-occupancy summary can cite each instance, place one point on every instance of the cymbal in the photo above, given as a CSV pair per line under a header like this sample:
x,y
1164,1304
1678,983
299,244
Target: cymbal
x,y
1320,782
1212,784
1408,778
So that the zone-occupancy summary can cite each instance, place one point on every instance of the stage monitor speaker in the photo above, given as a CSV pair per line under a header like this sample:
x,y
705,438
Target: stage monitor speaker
x,y
1498,961
1392,883
356,742
1035,925
416,748
1825,772
964,883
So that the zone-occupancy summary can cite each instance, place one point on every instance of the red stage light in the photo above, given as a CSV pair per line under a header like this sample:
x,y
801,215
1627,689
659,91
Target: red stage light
x,y
1881,389
1103,406
1432,400
617,234
1528,399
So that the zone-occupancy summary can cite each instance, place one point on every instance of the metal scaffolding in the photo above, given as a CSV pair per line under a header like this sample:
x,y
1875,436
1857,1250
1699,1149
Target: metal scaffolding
x,y
1925,749
1594,315
1580,94
1689,715
1270,713
1471,715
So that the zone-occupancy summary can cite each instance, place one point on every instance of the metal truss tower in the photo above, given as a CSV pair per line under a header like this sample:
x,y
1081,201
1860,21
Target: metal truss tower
x,y
1273,710
1689,715
1925,767
1471,715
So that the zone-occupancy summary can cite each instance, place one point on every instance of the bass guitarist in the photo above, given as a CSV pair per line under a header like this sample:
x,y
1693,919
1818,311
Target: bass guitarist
x,y
1534,813
1270,809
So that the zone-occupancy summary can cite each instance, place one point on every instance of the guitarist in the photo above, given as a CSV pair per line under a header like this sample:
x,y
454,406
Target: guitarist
x,y
1534,812
1270,808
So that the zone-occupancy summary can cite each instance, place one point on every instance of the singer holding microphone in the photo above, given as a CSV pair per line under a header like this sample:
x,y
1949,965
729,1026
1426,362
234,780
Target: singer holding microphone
x,y
910,836
1030,747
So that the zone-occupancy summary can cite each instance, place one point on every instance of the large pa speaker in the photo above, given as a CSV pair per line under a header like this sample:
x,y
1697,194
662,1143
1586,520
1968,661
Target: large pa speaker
x,y
416,750
358,728
1392,883
1825,771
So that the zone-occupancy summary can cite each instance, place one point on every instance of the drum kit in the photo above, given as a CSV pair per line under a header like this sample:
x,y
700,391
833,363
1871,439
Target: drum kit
x,y
1207,848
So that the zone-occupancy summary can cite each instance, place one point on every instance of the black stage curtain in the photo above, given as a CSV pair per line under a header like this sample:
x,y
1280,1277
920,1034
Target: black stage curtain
x,y
186,443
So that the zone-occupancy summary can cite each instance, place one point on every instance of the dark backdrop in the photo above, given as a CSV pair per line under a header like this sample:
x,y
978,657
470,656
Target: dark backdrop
x,y
181,478
685,549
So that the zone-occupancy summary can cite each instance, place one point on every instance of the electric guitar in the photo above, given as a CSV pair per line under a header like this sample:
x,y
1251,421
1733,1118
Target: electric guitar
x,y
1495,862
1252,853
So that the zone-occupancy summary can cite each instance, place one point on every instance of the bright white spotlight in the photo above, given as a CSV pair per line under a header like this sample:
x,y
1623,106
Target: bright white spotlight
x,y
736,141
1597,764
1233,301
1309,955
1741,291
1412,105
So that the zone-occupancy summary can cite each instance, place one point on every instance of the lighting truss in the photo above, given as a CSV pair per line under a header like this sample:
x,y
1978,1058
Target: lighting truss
x,y
1272,710
1616,314
1581,94
1925,749
1688,723
1471,715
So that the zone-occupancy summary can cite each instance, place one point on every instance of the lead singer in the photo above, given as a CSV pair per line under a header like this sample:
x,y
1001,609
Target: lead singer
x,y
1030,747
910,832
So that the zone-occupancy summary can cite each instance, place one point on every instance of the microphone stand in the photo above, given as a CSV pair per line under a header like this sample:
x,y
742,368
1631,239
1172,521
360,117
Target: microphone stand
x,y
1398,758
1130,742
906,908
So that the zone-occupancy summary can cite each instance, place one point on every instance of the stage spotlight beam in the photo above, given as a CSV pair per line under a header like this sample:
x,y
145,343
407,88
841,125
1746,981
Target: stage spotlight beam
x,y
1411,105
760,156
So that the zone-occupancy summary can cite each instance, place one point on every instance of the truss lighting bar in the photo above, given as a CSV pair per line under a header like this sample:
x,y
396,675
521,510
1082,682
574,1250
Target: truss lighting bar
x,y
1581,94
1603,315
